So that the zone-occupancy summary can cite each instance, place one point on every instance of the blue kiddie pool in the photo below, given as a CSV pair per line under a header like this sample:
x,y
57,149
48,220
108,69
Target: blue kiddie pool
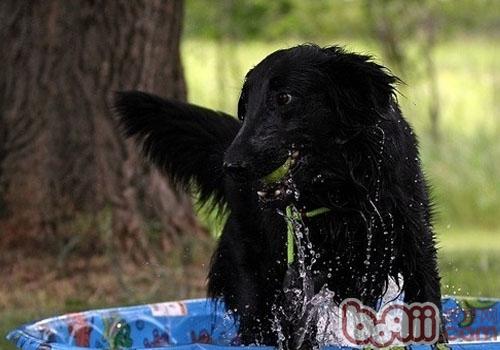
x,y
196,324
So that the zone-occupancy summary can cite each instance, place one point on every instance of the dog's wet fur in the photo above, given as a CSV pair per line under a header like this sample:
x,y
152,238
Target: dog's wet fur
x,y
355,154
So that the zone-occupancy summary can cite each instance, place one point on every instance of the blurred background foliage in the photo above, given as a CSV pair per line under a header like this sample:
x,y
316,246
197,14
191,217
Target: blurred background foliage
x,y
326,19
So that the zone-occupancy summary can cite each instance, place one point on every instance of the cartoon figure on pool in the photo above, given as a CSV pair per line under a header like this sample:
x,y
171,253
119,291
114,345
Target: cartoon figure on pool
x,y
320,150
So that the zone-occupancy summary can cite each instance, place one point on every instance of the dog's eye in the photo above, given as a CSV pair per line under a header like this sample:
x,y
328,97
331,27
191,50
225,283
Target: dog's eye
x,y
283,98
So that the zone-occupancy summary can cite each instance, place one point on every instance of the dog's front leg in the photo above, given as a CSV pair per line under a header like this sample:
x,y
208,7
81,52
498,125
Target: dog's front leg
x,y
234,276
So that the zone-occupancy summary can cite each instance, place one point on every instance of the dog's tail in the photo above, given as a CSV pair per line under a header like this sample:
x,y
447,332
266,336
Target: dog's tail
x,y
185,141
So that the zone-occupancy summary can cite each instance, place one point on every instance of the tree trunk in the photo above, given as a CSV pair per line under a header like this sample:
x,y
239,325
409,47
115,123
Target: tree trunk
x,y
382,16
65,168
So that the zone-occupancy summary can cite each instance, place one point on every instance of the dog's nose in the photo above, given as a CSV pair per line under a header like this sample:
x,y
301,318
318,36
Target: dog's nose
x,y
236,169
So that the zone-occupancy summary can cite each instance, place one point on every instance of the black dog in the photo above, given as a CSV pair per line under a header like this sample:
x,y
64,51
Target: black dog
x,y
319,130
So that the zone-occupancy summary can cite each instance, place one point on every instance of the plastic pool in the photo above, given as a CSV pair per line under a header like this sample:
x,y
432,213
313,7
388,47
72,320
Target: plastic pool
x,y
194,324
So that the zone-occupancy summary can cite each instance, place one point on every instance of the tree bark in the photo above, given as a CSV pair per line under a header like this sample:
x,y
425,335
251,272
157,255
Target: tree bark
x,y
64,166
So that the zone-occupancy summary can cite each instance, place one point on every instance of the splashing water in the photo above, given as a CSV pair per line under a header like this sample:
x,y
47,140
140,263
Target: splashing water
x,y
306,312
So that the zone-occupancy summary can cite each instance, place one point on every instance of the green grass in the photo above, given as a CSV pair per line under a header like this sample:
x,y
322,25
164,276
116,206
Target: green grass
x,y
469,261
11,319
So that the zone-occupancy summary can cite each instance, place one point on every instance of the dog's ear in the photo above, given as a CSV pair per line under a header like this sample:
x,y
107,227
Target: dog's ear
x,y
185,141
359,84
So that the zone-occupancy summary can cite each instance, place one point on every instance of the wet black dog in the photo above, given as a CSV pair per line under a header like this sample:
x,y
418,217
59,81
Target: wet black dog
x,y
319,128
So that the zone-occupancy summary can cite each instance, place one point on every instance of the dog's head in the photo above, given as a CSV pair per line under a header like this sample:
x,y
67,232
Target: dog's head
x,y
297,106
